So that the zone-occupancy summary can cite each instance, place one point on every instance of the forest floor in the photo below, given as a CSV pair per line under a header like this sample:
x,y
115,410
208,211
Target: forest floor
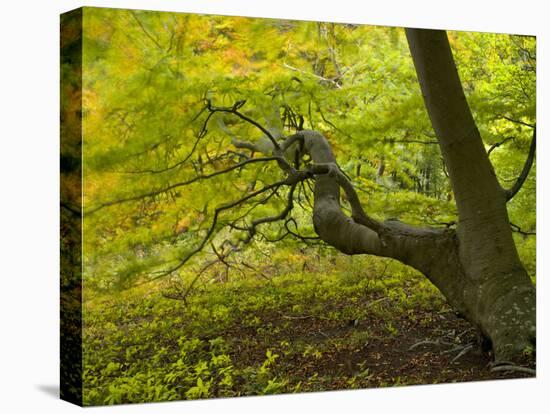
x,y
292,333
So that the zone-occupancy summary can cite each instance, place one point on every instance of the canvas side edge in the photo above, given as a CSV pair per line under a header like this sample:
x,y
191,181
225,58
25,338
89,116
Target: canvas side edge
x,y
71,206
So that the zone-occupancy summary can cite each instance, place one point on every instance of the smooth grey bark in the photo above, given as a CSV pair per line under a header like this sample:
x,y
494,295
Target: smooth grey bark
x,y
497,292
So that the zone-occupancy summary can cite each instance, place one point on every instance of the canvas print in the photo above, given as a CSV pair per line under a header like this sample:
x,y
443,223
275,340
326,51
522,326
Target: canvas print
x,y
256,206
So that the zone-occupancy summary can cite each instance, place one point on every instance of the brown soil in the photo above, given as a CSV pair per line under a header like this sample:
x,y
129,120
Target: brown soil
x,y
419,349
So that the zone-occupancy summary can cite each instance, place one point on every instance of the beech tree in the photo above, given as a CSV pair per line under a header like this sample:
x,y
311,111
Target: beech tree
x,y
473,262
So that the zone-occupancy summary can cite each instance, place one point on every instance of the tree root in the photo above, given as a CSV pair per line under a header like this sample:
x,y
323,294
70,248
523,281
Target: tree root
x,y
464,351
510,367
461,349
429,342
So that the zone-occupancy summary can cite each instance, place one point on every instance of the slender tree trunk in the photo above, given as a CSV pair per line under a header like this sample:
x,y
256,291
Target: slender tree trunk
x,y
497,292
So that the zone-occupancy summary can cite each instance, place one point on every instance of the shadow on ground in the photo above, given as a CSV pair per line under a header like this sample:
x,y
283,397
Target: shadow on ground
x,y
49,389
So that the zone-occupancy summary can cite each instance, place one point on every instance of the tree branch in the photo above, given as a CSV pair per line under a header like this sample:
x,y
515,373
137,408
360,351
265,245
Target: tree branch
x,y
526,168
298,236
518,121
183,295
282,215
498,144
409,141
517,229
200,135
235,110
157,44
331,81
181,184
213,225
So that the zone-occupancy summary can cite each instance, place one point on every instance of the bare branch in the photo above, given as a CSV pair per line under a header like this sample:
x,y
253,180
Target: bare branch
x,y
514,368
518,121
357,212
174,166
212,227
408,141
263,201
237,143
517,229
327,121
200,135
292,181
290,140
526,168
183,296
283,214
295,234
181,184
235,110
221,257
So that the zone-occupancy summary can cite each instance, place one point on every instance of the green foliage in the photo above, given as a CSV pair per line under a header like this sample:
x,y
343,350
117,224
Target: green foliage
x,y
246,336
234,329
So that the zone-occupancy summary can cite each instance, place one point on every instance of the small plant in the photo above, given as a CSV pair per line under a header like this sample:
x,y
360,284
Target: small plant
x,y
392,330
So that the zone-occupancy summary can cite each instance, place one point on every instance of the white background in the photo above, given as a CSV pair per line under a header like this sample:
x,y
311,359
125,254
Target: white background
x,y
29,84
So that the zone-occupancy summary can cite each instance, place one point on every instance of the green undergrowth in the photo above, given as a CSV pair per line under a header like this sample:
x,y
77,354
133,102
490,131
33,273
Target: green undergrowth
x,y
292,333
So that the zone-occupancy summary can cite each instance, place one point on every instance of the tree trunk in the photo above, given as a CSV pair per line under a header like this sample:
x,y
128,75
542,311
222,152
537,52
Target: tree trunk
x,y
498,294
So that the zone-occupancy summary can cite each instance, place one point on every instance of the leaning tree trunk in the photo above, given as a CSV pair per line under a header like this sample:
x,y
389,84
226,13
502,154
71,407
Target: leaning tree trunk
x,y
496,291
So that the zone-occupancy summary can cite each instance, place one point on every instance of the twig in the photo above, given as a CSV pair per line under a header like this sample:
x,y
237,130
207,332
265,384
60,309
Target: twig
x,y
183,296
145,30
373,302
498,144
210,231
173,166
324,334
297,317
454,349
408,141
332,81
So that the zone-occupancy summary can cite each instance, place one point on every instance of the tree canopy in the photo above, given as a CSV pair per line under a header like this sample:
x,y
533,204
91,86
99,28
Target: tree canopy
x,y
152,150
